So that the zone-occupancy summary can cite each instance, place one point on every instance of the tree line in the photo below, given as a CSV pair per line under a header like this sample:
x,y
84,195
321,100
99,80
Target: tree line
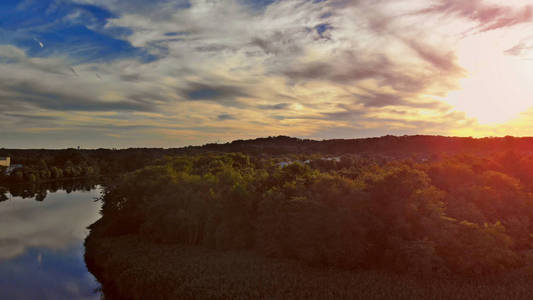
x,y
43,164
39,165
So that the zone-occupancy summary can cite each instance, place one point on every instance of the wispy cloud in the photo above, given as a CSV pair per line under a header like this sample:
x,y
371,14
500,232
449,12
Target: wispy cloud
x,y
488,16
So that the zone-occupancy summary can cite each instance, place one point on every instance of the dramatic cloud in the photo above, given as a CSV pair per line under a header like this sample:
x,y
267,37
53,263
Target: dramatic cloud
x,y
175,72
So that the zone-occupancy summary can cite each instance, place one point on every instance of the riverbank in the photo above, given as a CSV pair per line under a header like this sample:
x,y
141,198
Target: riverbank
x,y
134,269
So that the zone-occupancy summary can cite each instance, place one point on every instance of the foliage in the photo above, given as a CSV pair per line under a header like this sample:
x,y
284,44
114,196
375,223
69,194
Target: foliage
x,y
456,215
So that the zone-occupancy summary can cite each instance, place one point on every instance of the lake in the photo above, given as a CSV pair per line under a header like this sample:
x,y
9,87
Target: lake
x,y
42,229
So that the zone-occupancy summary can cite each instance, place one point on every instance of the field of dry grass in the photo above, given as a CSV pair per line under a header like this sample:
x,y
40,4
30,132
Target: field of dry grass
x,y
138,270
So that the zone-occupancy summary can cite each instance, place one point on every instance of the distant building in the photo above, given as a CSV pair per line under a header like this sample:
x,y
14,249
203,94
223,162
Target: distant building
x,y
284,164
5,162
12,168
336,159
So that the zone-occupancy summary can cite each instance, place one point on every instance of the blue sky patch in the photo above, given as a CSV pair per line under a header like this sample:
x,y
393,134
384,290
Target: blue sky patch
x,y
258,4
322,28
55,27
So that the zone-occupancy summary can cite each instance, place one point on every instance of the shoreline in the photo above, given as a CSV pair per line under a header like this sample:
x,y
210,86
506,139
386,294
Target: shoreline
x,y
18,183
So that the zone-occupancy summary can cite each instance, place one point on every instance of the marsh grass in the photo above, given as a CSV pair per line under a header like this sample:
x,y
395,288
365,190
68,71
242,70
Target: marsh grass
x,y
136,269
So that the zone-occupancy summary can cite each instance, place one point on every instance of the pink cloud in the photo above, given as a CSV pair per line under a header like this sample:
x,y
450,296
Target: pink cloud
x,y
488,16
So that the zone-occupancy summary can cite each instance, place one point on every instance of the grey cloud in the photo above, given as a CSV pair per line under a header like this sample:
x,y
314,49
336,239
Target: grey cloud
x,y
280,42
351,68
147,98
442,61
343,71
213,48
31,93
380,100
131,77
225,117
30,117
279,106
349,115
377,99
225,94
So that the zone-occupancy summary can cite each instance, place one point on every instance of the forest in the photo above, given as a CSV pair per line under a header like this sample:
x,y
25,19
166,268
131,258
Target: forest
x,y
455,215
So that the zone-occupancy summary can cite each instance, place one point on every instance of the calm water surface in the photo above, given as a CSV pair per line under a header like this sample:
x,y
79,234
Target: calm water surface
x,y
41,243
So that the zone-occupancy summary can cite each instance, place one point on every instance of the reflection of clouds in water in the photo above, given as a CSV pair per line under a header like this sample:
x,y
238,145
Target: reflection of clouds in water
x,y
57,223
60,275
41,247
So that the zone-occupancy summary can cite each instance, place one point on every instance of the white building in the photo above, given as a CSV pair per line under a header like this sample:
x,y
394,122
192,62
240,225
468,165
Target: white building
x,y
284,164
5,162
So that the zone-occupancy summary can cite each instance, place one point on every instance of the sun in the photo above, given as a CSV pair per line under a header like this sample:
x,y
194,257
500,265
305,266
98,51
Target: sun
x,y
494,100
497,87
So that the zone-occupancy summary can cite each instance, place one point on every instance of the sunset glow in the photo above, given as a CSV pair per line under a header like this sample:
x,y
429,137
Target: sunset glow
x,y
172,73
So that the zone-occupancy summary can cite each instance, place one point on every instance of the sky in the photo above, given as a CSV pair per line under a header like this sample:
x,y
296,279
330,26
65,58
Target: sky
x,y
171,73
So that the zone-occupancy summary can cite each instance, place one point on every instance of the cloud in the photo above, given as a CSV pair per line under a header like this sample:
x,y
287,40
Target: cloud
x,y
520,49
177,71
279,106
225,94
487,16
29,117
226,117
39,96
446,62
376,99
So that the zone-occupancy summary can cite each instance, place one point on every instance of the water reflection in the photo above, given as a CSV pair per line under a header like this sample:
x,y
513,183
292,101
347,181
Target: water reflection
x,y
39,191
42,228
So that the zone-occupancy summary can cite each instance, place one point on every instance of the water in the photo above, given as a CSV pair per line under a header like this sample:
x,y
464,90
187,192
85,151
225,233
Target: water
x,y
42,230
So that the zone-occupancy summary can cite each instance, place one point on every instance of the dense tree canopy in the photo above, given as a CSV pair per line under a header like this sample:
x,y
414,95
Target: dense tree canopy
x,y
455,215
